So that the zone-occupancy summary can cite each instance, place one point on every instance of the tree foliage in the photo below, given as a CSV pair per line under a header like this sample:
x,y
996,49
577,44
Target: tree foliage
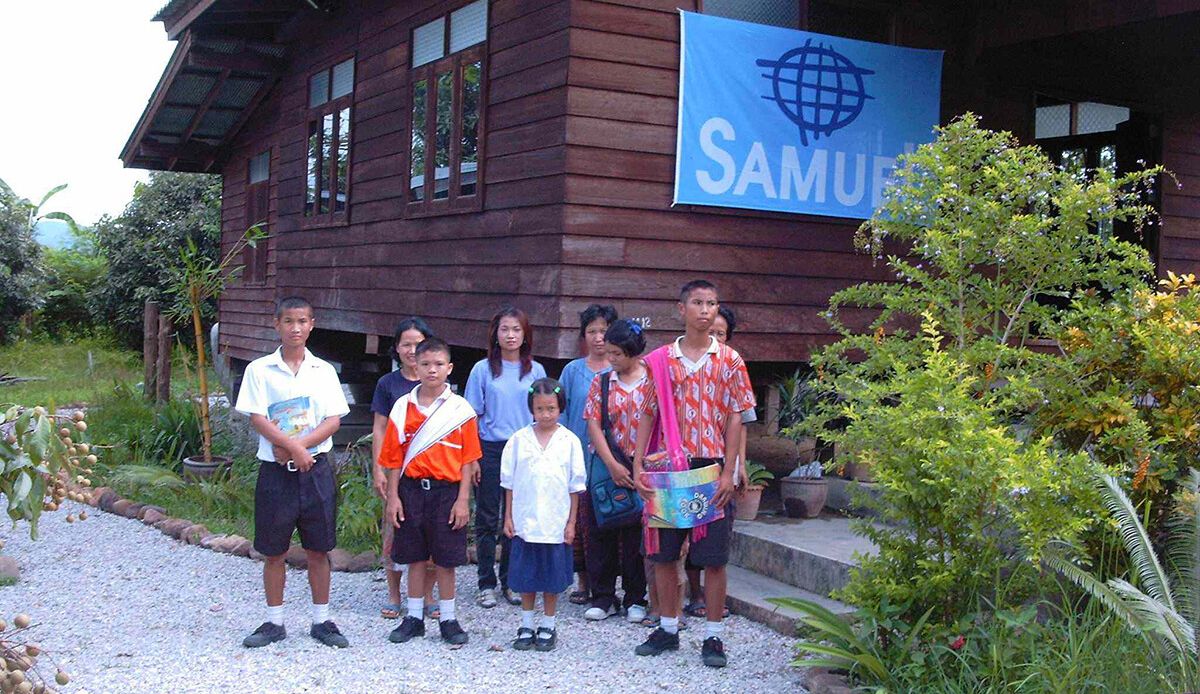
x,y
142,244
21,271
992,248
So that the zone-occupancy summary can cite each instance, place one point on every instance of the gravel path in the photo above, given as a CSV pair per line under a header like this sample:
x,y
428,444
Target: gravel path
x,y
126,609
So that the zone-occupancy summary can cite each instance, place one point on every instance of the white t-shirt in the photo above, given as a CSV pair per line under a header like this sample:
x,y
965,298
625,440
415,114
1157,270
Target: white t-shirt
x,y
296,402
542,481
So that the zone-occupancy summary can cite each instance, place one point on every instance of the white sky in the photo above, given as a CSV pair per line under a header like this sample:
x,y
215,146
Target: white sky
x,y
77,76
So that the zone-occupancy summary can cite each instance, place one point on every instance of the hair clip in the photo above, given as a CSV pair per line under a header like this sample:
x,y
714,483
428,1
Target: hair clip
x,y
557,390
531,390
635,328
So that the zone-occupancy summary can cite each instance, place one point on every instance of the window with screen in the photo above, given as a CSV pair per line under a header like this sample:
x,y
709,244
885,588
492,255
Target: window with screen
x,y
446,112
328,138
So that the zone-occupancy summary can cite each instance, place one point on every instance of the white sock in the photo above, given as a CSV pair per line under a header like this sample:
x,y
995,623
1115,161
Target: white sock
x,y
446,610
320,613
670,625
527,619
716,629
548,621
416,608
275,614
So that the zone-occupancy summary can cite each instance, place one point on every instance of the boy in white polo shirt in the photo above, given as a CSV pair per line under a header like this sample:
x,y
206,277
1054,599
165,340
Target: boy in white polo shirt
x,y
295,403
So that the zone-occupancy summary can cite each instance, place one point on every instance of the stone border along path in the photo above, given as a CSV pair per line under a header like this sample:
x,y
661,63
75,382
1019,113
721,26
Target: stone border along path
x,y
125,609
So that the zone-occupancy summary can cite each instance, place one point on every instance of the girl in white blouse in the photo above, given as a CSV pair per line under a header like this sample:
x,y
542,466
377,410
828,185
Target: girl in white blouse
x,y
542,473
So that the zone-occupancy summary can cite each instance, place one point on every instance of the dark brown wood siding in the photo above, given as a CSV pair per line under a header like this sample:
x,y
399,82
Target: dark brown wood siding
x,y
457,269
1179,243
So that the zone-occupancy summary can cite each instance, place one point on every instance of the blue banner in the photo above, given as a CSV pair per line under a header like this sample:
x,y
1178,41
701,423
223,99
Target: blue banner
x,y
791,121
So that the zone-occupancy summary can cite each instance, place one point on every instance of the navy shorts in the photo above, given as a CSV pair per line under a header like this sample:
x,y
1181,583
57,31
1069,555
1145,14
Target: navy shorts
x,y
286,501
425,533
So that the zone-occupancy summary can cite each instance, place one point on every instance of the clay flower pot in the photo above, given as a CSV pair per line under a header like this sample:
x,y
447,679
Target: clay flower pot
x,y
195,468
747,502
803,497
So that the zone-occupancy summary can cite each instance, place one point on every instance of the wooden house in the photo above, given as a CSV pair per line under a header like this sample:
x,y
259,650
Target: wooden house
x,y
444,157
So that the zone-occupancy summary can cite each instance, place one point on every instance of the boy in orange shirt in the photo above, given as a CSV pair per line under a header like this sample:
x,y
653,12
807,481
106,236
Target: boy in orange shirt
x,y
430,444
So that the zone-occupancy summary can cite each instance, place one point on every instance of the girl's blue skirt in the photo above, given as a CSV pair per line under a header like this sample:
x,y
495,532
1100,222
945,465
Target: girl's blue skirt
x,y
539,567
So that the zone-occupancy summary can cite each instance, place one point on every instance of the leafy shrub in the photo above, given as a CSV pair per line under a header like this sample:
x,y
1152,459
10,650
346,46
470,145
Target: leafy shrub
x,y
1072,647
1164,607
73,279
985,238
961,499
1127,391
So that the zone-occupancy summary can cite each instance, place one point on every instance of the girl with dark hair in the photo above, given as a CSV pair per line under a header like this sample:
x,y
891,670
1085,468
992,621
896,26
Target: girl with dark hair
x,y
497,388
614,551
542,473
394,385
577,377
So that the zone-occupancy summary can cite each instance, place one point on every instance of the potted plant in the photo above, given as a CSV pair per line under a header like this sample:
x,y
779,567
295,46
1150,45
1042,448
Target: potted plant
x,y
201,278
797,397
804,491
750,496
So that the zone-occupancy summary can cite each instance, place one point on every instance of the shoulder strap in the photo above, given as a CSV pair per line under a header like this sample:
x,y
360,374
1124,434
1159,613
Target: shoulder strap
x,y
605,422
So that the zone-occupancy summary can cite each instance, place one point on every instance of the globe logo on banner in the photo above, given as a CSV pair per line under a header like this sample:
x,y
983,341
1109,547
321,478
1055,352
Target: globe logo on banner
x,y
817,88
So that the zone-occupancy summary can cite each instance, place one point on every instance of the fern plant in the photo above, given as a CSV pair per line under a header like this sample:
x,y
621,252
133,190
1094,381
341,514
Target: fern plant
x,y
1163,606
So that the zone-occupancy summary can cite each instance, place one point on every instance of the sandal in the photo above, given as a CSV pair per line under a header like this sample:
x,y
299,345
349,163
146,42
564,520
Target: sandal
x,y
390,610
579,597
695,609
433,612
651,621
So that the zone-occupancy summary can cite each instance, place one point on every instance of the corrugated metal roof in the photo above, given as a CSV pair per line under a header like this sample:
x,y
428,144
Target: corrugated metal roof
x,y
237,93
189,89
216,124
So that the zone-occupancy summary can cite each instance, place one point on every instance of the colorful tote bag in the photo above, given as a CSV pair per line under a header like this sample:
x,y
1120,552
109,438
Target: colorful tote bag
x,y
680,496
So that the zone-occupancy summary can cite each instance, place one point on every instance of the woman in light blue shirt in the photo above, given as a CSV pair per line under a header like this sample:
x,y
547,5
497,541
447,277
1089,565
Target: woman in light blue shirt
x,y
577,377
498,389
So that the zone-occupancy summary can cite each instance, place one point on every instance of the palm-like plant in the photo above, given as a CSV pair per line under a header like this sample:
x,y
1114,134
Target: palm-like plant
x,y
1163,607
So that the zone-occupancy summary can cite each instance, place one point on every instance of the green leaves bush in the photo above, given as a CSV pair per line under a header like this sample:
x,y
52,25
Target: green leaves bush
x,y
933,381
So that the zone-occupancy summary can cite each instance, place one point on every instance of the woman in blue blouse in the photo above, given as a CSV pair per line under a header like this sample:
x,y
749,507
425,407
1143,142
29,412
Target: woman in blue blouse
x,y
498,389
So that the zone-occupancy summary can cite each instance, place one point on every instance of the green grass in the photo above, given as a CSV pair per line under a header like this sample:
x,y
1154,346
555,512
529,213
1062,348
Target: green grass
x,y
65,367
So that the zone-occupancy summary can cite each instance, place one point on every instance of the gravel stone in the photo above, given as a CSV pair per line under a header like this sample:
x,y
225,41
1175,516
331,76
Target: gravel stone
x,y
122,608
9,569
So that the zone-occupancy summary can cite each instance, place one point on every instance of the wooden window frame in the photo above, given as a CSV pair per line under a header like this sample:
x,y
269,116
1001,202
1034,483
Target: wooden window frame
x,y
453,203
314,116
255,260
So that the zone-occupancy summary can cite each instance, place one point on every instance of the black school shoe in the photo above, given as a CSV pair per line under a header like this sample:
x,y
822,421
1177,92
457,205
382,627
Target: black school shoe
x,y
713,652
327,633
546,638
658,642
410,628
524,640
452,633
266,633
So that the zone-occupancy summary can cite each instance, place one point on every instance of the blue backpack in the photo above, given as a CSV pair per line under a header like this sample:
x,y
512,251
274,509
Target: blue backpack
x,y
613,506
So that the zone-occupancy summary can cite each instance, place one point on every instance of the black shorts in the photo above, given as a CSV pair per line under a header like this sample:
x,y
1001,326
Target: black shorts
x,y
286,501
426,533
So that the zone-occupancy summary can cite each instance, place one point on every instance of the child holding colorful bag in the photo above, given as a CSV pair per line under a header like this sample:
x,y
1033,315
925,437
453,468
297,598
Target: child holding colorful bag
x,y
698,386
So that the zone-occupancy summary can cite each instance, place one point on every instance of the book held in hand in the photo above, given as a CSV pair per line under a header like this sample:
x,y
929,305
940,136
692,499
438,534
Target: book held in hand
x,y
294,417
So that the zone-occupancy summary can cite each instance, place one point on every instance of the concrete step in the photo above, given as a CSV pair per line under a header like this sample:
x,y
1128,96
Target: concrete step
x,y
748,595
814,554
